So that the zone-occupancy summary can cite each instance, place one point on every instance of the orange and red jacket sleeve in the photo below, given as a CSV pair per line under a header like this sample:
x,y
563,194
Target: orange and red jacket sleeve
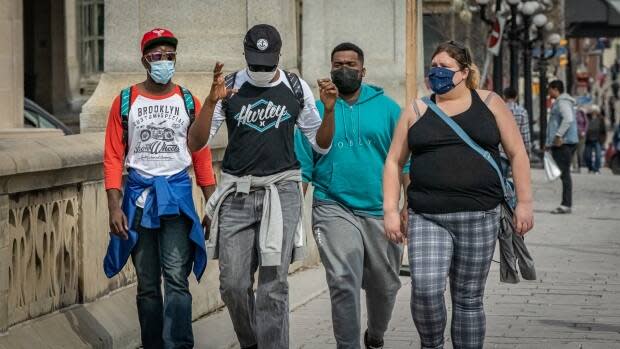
x,y
114,151
202,160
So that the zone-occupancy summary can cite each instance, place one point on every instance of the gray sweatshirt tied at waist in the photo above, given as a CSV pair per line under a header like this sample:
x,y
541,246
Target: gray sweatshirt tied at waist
x,y
271,230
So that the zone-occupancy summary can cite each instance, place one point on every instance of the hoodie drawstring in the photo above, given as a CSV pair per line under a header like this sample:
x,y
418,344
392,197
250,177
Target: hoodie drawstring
x,y
344,121
359,127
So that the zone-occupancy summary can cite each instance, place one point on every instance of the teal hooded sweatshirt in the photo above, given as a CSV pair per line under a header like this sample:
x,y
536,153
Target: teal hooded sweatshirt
x,y
351,173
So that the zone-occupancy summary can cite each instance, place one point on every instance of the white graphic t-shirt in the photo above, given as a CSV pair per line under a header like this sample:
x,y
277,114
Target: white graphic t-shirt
x,y
157,132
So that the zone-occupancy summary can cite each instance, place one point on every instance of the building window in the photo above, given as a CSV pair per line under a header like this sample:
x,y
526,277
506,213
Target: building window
x,y
91,37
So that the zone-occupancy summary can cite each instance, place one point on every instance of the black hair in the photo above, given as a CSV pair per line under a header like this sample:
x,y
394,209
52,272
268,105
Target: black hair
x,y
557,85
510,93
347,46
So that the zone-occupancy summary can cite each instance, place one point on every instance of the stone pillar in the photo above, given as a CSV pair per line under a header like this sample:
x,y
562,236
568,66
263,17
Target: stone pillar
x,y
281,14
5,261
72,48
11,64
208,31
377,27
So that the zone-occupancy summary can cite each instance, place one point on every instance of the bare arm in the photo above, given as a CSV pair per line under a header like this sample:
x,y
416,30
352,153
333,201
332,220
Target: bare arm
x,y
118,221
328,94
199,132
207,191
392,172
515,150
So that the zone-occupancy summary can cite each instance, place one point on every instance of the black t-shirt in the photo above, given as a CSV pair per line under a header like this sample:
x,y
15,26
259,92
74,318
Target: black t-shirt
x,y
261,124
446,174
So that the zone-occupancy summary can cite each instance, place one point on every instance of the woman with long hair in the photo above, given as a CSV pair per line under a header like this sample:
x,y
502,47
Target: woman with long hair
x,y
454,197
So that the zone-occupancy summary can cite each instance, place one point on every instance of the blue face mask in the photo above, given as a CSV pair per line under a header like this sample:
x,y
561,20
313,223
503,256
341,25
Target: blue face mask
x,y
162,71
441,80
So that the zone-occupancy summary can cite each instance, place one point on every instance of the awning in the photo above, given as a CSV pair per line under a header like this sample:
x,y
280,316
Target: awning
x,y
592,18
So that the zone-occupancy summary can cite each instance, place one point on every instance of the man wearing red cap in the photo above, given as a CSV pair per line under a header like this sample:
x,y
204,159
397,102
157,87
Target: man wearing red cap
x,y
156,224
256,209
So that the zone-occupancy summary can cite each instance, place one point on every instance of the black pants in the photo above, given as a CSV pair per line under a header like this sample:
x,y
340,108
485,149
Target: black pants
x,y
562,156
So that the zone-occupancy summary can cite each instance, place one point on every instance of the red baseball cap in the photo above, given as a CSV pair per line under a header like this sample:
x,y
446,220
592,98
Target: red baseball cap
x,y
158,36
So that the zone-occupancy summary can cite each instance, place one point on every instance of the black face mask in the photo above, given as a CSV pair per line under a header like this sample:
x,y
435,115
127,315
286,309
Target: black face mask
x,y
347,80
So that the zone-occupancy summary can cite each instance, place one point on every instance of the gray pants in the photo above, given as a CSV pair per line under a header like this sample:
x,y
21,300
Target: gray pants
x,y
262,319
356,255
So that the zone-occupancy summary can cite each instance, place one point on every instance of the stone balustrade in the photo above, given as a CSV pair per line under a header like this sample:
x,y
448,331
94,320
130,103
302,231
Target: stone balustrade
x,y
54,219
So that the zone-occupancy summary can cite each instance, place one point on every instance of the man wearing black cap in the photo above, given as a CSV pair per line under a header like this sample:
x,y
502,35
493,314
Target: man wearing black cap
x,y
256,209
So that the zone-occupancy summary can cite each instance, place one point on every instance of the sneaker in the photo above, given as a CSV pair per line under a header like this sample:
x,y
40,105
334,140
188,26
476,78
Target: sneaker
x,y
372,343
561,210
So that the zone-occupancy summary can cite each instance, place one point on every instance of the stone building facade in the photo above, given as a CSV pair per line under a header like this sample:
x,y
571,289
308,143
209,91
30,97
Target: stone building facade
x,y
53,55
211,30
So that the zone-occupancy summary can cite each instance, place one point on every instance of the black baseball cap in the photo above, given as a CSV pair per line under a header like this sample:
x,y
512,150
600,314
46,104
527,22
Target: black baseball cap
x,y
262,45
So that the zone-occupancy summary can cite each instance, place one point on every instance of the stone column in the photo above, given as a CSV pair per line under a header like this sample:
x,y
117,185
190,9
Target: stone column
x,y
377,27
280,14
208,31
11,64
5,261
72,49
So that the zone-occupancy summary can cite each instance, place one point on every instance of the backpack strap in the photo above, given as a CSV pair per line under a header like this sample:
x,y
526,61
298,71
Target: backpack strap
x,y
125,107
229,81
298,90
188,100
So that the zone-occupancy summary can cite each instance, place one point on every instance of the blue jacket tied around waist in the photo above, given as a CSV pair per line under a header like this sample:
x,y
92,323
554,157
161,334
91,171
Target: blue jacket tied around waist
x,y
170,196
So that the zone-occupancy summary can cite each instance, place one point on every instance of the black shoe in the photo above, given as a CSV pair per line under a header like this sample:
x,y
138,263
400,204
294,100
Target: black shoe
x,y
255,346
372,343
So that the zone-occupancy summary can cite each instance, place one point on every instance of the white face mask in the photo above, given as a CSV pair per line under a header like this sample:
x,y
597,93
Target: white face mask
x,y
261,78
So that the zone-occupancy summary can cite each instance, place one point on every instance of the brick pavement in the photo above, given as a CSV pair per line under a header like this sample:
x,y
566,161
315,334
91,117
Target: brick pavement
x,y
574,304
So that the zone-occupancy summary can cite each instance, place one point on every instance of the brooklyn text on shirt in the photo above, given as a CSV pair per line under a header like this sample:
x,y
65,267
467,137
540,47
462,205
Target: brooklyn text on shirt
x,y
157,130
262,115
161,112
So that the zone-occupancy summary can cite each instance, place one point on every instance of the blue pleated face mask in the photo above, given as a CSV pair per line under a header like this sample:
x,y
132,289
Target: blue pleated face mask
x,y
162,71
441,80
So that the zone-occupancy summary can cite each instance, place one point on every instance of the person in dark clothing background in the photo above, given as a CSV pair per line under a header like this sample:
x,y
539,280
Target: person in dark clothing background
x,y
596,136
562,139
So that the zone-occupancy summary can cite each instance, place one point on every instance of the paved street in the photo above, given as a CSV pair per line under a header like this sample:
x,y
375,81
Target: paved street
x,y
574,304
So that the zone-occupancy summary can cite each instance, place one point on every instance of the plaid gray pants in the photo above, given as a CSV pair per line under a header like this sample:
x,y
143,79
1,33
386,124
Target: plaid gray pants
x,y
459,245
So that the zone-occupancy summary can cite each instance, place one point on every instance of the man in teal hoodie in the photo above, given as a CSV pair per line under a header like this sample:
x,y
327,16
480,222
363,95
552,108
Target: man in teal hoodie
x,y
347,214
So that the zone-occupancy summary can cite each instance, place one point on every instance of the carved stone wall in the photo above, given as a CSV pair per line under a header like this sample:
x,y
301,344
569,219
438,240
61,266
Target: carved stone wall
x,y
54,230
44,243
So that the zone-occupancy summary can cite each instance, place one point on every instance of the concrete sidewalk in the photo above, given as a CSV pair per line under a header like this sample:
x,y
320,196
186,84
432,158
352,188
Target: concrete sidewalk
x,y
574,304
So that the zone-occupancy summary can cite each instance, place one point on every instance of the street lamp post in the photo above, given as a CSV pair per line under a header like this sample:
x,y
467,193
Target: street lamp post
x,y
497,59
543,59
513,36
529,8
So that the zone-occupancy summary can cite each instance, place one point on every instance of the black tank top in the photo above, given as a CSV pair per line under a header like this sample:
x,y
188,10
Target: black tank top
x,y
261,125
446,174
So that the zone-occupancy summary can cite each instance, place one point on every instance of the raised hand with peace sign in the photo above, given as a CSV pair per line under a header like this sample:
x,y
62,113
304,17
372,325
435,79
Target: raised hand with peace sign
x,y
218,86
199,132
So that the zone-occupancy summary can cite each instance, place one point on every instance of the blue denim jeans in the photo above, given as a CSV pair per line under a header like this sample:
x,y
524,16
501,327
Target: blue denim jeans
x,y
164,323
259,318
593,165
